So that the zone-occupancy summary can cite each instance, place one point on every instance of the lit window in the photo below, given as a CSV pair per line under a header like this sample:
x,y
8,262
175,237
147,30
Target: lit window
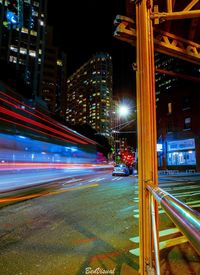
x,y
13,48
24,30
23,51
34,33
41,23
169,108
59,62
32,53
13,59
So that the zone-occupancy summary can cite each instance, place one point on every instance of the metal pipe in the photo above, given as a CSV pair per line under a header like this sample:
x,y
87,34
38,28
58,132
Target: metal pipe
x,y
155,237
184,217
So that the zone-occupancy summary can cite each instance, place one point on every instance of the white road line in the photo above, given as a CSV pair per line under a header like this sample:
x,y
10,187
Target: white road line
x,y
72,180
97,179
127,208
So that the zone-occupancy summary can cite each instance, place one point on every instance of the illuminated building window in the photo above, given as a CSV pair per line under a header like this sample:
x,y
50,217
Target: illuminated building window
x,y
59,62
36,4
32,53
13,59
13,48
169,108
34,33
23,50
41,23
34,13
24,30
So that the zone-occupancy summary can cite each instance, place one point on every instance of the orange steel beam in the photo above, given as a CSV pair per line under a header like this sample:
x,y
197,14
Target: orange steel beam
x,y
164,42
146,129
169,5
178,75
162,16
175,46
159,17
191,5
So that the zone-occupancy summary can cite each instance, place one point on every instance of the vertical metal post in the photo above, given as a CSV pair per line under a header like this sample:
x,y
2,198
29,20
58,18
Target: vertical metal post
x,y
146,123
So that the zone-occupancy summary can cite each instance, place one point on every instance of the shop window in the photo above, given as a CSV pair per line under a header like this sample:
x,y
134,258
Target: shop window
x,y
181,158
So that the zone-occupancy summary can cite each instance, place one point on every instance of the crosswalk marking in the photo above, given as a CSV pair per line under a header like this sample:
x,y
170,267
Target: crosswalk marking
x,y
117,178
187,190
162,233
164,244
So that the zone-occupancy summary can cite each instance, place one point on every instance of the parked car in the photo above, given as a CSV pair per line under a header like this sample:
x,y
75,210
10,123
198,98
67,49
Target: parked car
x,y
120,170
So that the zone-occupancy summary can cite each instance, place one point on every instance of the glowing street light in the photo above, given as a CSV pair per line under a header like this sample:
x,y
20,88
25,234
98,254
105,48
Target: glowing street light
x,y
123,111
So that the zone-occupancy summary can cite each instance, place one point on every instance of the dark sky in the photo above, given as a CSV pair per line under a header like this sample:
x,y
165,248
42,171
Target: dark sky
x,y
82,28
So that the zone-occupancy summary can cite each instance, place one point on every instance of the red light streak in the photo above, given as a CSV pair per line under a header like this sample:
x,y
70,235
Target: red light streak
x,y
28,127
44,165
46,120
28,120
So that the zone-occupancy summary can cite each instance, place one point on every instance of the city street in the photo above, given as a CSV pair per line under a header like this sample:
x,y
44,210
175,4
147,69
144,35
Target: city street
x,y
100,137
87,224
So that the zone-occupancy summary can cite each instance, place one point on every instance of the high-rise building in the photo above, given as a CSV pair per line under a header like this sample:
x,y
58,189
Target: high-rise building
x,y
54,78
22,37
89,93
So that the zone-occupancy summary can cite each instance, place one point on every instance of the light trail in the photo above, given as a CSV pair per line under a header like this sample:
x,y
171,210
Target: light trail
x,y
40,125
44,194
62,127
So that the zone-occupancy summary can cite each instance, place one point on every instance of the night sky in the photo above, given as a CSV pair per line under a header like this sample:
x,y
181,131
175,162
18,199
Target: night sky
x,y
82,28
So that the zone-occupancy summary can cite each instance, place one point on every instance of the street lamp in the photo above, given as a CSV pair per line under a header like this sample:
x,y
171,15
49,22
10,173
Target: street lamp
x,y
123,111
121,114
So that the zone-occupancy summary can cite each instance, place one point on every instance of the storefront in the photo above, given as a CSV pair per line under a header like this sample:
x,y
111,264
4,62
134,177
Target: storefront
x,y
181,152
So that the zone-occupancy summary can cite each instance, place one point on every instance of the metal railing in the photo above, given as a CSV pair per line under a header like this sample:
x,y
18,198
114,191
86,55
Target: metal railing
x,y
184,217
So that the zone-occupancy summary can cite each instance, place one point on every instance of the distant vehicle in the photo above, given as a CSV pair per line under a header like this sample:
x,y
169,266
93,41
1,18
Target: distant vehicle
x,y
121,170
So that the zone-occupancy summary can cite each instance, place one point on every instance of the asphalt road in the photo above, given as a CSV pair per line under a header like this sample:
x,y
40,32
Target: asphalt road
x,y
85,226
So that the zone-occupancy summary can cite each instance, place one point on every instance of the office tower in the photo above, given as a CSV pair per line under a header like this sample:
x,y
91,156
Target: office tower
x,y
22,33
89,93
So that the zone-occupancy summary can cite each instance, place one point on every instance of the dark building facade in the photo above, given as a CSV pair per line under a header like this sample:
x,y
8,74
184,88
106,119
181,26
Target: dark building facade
x,y
22,40
54,77
178,114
